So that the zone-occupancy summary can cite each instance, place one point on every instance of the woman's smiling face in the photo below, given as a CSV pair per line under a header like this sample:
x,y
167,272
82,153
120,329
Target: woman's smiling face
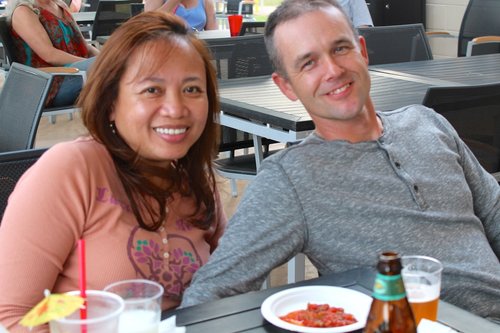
x,y
161,113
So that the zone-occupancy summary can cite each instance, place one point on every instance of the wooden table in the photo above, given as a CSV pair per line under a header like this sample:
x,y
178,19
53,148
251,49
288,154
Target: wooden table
x,y
241,313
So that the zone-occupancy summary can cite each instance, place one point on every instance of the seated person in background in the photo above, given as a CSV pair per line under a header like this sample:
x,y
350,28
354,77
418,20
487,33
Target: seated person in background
x,y
363,182
140,190
45,34
357,11
199,14
75,6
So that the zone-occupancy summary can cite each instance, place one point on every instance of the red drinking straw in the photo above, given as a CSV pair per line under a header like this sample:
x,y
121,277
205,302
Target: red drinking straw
x,y
82,281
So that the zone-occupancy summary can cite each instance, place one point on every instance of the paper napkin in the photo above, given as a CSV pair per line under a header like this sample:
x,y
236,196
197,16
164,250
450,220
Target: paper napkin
x,y
428,326
168,326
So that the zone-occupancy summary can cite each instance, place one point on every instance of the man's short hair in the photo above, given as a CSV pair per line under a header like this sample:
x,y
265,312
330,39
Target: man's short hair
x,y
289,10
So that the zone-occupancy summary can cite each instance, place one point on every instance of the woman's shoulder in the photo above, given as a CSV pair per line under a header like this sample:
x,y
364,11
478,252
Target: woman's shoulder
x,y
24,8
77,153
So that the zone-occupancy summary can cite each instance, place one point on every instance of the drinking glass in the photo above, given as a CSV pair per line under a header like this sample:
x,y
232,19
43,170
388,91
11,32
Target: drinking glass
x,y
235,22
142,313
422,280
103,313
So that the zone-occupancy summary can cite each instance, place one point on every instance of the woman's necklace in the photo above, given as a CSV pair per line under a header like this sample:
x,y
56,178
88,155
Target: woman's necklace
x,y
163,234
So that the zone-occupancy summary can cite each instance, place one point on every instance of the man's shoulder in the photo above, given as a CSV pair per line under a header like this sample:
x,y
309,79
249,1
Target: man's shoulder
x,y
295,153
413,110
413,113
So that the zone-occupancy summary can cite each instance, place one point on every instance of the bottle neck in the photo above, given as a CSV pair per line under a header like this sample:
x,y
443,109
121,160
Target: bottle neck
x,y
388,287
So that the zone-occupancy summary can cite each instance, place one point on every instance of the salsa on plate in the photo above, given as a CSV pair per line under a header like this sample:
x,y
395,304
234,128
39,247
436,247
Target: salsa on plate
x,y
319,315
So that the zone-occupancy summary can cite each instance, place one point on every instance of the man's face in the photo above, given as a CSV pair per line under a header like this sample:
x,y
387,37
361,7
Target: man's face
x,y
326,66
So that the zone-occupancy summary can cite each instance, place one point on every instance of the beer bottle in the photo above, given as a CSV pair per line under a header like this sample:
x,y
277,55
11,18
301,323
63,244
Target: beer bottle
x,y
390,311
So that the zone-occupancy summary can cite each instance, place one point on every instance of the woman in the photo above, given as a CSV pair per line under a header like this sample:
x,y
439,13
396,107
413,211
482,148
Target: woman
x,y
45,34
140,190
198,14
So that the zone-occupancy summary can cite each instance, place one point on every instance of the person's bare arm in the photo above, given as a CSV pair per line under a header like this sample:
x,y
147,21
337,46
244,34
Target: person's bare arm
x,y
27,25
210,12
168,6
92,50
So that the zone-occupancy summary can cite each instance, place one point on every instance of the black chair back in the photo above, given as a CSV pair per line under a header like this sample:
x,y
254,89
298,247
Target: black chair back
x,y
20,113
12,167
481,18
474,112
110,14
90,5
241,56
7,42
396,43
248,28
232,7
238,57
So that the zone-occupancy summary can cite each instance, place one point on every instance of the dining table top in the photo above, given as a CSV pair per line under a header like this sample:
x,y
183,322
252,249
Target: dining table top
x,y
241,313
259,99
481,69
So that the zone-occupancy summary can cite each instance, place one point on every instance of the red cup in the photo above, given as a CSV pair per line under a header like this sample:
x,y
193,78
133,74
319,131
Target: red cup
x,y
235,22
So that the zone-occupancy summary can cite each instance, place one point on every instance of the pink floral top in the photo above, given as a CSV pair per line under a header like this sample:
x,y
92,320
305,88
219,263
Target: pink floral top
x,y
74,192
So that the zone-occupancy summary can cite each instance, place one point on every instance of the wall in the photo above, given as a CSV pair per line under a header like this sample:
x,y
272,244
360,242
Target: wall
x,y
444,15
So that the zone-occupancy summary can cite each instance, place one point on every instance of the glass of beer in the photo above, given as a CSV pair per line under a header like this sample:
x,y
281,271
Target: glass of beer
x,y
422,280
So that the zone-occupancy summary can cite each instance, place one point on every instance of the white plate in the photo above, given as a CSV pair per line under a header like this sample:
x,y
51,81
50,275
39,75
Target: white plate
x,y
286,301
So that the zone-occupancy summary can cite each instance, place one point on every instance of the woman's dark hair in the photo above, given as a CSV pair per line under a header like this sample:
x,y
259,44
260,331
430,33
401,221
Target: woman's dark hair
x,y
192,175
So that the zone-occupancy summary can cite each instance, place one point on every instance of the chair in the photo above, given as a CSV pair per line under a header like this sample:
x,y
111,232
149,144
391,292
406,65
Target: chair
x,y
480,28
474,112
11,56
248,28
241,7
241,56
20,115
89,5
396,43
12,167
110,14
236,57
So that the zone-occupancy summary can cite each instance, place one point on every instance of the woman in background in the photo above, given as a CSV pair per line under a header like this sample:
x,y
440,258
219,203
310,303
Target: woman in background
x,y
140,189
198,14
45,34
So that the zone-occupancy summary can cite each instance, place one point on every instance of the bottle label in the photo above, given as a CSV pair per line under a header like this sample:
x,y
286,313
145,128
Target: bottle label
x,y
388,287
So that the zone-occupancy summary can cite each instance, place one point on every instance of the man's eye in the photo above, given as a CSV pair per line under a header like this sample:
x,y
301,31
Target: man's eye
x,y
341,50
307,64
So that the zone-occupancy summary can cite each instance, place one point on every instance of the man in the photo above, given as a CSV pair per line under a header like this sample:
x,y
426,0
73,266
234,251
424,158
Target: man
x,y
363,182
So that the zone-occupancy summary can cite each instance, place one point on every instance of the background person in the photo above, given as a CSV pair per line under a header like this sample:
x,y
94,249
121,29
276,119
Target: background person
x,y
199,14
140,190
45,34
363,182
357,11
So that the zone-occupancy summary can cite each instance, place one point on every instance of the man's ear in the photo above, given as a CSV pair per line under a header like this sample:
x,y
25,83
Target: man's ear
x,y
285,86
363,49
